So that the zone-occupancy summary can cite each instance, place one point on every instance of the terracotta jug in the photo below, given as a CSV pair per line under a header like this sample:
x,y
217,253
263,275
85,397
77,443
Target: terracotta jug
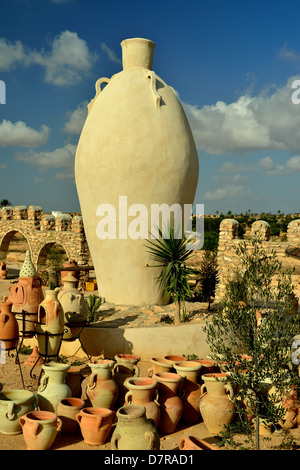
x,y
3,271
74,380
67,410
153,146
125,367
102,390
143,391
50,325
53,386
189,371
216,407
13,405
134,431
40,429
9,330
159,364
95,424
187,443
171,406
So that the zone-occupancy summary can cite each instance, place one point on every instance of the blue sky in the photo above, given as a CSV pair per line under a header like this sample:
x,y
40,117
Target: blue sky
x,y
231,62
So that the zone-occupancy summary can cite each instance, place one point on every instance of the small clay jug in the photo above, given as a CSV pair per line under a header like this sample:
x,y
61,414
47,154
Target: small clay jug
x,y
187,443
9,329
53,386
189,371
50,325
102,390
95,424
134,431
171,406
40,429
67,410
159,364
125,367
144,391
13,405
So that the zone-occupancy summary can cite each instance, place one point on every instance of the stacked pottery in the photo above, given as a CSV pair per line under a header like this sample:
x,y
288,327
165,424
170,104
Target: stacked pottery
x,y
50,325
159,364
189,371
102,390
67,410
216,407
40,429
53,386
9,329
171,406
95,424
141,392
134,431
13,405
69,264
125,367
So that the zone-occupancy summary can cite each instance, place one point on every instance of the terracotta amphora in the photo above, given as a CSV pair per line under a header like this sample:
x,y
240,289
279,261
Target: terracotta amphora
x,y
67,410
95,424
171,406
144,391
189,371
187,443
50,325
216,407
13,405
9,329
53,386
40,429
134,431
159,364
102,390
125,367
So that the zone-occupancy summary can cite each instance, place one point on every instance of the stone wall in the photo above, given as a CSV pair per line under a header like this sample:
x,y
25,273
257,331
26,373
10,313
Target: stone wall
x,y
228,261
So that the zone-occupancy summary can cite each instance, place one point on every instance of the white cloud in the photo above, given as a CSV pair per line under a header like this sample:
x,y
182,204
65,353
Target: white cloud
x,y
76,119
11,55
294,164
110,54
62,157
229,192
19,134
272,168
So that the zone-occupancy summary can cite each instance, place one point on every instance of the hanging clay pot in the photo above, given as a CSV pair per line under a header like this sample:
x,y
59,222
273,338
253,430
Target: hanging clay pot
x,y
125,367
171,406
102,390
3,271
67,410
216,407
189,371
50,325
187,443
159,364
143,391
13,405
134,431
9,330
95,424
159,158
53,386
40,429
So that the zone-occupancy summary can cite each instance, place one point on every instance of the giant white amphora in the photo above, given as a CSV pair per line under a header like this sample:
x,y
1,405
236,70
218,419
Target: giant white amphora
x,y
136,153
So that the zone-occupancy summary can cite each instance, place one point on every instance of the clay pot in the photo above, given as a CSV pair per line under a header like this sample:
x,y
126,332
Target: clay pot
x,y
189,371
95,424
134,431
216,408
102,390
40,429
50,325
53,386
171,406
141,392
3,271
67,410
69,264
172,358
74,380
208,367
13,405
159,364
9,330
125,367
187,443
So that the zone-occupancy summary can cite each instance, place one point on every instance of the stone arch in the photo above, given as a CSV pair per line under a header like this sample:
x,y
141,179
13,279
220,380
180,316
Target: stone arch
x,y
6,240
45,250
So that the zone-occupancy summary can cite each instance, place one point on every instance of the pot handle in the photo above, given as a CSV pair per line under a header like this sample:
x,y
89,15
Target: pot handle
x,y
229,388
114,441
98,91
137,371
150,372
10,414
151,437
115,368
156,398
34,426
43,383
128,397
92,383
78,417
203,391
58,424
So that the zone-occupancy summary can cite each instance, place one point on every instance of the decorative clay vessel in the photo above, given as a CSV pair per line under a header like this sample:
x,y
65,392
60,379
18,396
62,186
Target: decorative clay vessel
x,y
50,325
95,424
143,391
13,405
159,364
53,386
189,371
67,410
9,329
142,154
69,264
102,390
125,367
40,429
134,431
171,406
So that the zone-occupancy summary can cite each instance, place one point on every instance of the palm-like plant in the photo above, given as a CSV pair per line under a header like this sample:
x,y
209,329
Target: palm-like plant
x,y
172,254
93,302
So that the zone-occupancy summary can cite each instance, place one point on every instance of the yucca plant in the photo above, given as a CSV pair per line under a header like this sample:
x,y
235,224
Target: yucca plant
x,y
171,255
93,302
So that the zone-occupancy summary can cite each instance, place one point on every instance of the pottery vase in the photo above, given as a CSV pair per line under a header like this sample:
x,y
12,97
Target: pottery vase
x,y
40,429
171,406
69,264
3,271
143,391
125,367
216,407
9,329
191,389
95,424
67,410
74,380
153,146
102,390
13,405
53,386
134,431
50,326
159,364
191,443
